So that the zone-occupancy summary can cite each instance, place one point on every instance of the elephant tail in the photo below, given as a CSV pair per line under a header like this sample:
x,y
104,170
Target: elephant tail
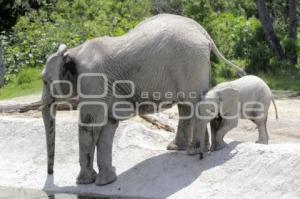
x,y
275,107
220,56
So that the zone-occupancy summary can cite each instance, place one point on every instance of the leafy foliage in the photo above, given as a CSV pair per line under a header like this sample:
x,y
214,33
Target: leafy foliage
x,y
11,10
238,38
34,28
38,33
238,33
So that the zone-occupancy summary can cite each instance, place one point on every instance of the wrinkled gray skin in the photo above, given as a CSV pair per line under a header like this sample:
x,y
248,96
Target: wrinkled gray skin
x,y
165,53
241,91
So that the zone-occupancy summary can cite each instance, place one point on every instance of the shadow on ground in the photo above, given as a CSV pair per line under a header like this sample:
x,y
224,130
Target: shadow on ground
x,y
157,177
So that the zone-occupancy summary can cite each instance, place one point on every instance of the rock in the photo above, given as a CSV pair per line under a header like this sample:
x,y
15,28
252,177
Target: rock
x,y
144,167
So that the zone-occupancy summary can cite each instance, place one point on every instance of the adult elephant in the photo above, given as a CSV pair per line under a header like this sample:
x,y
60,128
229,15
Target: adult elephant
x,y
165,60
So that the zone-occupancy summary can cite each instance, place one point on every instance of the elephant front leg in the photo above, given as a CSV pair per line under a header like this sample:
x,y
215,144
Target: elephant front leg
x,y
214,126
107,173
225,126
88,137
184,130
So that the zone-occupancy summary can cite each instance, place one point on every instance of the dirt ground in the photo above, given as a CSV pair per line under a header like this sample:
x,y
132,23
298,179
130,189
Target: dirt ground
x,y
145,168
285,129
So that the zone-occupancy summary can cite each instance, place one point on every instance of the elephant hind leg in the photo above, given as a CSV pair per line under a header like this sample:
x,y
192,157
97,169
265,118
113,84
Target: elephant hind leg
x,y
184,129
200,141
263,136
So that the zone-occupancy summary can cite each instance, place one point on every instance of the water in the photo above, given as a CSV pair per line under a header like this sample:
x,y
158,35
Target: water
x,y
21,193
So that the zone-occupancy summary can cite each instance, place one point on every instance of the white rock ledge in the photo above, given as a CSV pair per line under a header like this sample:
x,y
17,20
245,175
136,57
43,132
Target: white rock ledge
x,y
145,168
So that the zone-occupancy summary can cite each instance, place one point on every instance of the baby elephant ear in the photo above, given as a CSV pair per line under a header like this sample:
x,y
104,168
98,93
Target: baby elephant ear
x,y
229,98
62,49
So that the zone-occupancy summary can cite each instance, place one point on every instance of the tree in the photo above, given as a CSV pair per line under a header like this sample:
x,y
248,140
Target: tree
x,y
266,21
166,6
2,69
11,10
292,32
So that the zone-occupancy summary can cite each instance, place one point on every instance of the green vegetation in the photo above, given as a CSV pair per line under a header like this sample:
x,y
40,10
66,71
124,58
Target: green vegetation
x,y
34,29
282,81
26,82
39,32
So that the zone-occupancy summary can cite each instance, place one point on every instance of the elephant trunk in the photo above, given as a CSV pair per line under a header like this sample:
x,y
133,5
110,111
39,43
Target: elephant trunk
x,y
48,114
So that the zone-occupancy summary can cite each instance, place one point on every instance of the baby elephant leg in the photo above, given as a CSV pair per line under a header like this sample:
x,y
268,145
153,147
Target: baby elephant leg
x,y
214,126
225,126
207,143
263,137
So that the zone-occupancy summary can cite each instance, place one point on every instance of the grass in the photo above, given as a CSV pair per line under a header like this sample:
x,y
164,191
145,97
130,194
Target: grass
x,y
26,82
279,80
282,81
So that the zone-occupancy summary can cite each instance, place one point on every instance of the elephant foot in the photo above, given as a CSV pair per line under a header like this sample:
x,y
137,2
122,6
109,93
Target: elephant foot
x,y
206,149
86,176
220,146
50,170
213,147
172,146
262,141
106,177
194,149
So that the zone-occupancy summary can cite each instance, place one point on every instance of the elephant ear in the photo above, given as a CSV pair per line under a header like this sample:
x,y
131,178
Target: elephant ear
x,y
54,64
60,67
229,101
62,49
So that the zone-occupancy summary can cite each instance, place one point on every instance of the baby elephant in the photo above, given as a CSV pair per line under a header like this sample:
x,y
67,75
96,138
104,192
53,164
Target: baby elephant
x,y
247,98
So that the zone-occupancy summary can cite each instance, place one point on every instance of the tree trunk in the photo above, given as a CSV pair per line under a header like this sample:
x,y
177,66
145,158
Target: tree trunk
x,y
265,19
64,105
2,69
293,22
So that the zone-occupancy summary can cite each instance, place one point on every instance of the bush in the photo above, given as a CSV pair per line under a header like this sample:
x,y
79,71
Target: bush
x,y
28,76
26,82
199,10
238,34
241,38
231,24
38,33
